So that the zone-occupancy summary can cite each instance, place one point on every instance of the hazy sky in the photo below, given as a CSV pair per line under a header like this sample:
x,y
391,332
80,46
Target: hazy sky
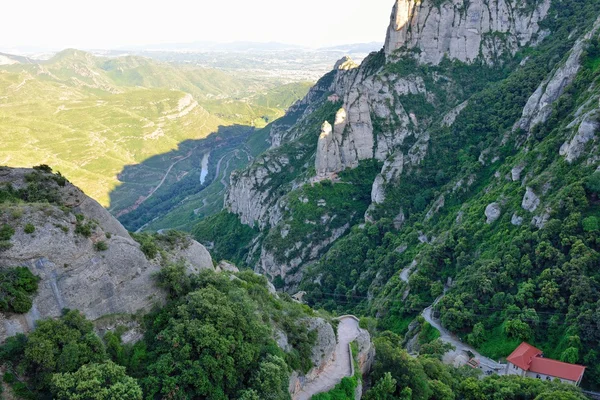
x,y
90,24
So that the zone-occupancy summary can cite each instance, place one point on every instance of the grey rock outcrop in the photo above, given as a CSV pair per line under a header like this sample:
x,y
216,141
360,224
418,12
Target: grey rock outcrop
x,y
226,266
249,195
353,137
530,201
516,220
463,30
539,106
321,355
451,116
194,255
345,63
74,274
492,212
588,127
437,205
326,342
515,173
540,221
390,173
328,159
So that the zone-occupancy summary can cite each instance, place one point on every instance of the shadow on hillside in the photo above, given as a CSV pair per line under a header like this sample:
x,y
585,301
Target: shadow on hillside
x,y
158,184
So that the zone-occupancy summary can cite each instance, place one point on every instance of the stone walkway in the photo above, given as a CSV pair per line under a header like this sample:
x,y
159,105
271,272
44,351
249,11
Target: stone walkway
x,y
339,367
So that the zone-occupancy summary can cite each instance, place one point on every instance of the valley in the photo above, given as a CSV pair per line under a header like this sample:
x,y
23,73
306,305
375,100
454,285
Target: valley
x,y
419,223
91,117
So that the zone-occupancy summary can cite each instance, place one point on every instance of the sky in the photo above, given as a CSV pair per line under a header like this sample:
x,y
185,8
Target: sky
x,y
110,24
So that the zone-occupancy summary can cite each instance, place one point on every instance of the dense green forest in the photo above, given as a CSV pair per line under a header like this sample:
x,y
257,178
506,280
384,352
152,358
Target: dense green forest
x,y
213,339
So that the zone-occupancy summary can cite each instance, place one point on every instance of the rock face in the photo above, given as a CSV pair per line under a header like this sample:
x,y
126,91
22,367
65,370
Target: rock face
x,y
328,151
515,173
539,106
353,137
378,114
516,220
493,212
588,126
367,101
391,171
463,30
451,116
249,195
321,356
74,274
530,201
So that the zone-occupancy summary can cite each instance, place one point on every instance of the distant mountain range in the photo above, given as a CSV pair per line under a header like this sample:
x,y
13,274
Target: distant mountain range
x,y
34,52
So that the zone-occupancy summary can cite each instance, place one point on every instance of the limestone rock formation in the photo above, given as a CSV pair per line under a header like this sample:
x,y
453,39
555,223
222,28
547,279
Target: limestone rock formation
x,y
226,266
463,30
328,151
589,125
451,116
540,221
75,272
530,201
354,137
516,172
516,220
249,196
492,212
539,106
345,63
391,171
321,356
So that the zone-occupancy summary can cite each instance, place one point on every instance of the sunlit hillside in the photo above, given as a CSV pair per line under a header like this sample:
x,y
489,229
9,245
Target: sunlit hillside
x,y
89,117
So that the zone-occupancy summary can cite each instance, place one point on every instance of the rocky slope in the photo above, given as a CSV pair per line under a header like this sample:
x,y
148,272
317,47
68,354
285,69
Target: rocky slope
x,y
375,111
464,30
436,167
85,258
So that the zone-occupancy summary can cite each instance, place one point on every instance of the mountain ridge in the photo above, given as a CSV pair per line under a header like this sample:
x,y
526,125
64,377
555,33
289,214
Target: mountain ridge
x,y
461,168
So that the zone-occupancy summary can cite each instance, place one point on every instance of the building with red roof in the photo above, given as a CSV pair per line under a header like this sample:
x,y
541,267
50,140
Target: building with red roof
x,y
529,361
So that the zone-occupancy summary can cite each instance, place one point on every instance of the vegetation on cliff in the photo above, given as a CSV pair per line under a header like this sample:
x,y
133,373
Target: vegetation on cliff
x,y
213,339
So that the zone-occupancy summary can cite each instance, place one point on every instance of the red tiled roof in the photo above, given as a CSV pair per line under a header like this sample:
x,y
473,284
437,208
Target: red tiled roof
x,y
523,355
546,366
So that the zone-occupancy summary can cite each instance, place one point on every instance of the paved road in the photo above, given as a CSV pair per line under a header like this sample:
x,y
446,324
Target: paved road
x,y
340,366
461,348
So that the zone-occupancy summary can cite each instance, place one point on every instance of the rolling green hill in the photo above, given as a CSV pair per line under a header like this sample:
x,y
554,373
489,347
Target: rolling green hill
x,y
89,117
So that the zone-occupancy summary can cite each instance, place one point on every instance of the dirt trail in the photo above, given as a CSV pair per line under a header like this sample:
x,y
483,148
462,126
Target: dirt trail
x,y
337,369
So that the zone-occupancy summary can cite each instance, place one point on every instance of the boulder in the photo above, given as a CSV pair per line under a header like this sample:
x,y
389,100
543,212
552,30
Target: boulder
x,y
516,220
530,201
493,212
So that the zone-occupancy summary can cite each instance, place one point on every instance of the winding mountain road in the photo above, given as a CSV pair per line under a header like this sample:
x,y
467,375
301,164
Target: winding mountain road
x,y
487,364
339,367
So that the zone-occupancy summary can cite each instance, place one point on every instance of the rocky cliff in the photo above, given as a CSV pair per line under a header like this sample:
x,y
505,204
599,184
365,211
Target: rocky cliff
x,y
85,258
372,120
404,109
464,30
